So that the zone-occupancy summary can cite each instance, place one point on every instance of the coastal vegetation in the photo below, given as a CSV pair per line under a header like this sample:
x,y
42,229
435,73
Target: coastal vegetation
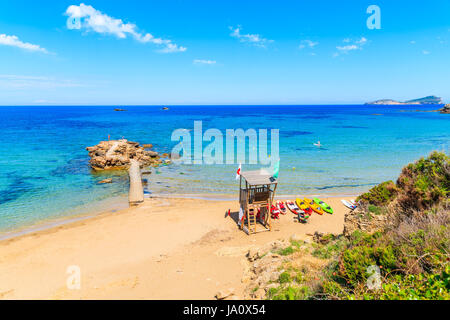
x,y
396,247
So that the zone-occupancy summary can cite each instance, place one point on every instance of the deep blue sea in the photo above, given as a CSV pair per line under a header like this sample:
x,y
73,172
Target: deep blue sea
x,y
44,172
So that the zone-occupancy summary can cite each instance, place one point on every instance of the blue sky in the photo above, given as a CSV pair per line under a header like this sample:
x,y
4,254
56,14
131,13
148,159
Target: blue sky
x,y
221,52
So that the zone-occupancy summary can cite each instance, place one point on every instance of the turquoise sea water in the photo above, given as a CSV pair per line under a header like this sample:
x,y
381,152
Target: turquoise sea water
x,y
44,172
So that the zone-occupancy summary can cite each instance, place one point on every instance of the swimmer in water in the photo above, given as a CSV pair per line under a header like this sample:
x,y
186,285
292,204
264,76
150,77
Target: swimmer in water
x,y
318,144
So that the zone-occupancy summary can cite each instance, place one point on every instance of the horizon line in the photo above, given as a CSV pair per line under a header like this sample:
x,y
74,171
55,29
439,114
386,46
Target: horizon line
x,y
218,104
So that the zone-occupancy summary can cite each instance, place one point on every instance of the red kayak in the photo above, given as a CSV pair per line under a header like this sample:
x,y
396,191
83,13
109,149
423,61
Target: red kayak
x,y
281,207
275,212
293,207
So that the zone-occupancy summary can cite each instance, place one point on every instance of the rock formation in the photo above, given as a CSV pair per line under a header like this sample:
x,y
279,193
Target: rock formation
x,y
116,154
445,109
105,181
361,219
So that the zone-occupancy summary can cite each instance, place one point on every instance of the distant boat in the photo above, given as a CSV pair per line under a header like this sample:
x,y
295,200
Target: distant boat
x,y
317,144
165,108
118,109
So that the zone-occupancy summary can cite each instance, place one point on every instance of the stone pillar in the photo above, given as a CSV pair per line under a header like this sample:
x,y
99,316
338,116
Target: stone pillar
x,y
136,193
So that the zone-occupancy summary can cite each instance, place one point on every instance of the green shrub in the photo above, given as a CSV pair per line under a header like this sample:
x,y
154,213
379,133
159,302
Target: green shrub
x,y
297,243
326,251
380,195
284,277
286,251
289,293
332,289
299,277
375,210
354,263
417,287
425,183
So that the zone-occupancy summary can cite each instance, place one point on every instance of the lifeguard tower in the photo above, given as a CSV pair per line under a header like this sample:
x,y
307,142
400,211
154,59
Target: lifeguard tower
x,y
256,194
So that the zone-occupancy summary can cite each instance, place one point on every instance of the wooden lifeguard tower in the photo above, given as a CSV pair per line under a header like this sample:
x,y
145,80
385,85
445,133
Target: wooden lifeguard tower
x,y
256,195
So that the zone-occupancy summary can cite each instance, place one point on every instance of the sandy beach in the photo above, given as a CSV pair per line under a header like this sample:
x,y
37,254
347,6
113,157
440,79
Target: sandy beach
x,y
165,248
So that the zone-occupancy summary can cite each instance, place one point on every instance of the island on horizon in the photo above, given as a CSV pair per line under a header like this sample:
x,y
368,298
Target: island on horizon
x,y
424,100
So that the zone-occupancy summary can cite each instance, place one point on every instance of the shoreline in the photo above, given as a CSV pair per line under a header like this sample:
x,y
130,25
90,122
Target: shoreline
x,y
48,225
230,197
106,206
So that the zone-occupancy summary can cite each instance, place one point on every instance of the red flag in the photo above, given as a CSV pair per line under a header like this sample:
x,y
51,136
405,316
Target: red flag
x,y
238,172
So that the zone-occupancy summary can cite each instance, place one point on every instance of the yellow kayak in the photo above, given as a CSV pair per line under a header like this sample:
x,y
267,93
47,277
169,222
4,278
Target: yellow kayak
x,y
303,206
314,206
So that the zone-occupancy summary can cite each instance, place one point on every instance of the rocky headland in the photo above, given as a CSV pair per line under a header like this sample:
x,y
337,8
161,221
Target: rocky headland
x,y
117,154
424,100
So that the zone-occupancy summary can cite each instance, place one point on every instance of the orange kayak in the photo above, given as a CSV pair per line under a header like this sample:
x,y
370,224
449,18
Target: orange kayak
x,y
314,206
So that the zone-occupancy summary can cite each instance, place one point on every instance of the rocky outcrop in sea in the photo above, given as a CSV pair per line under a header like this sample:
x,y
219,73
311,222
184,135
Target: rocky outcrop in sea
x,y
445,109
117,154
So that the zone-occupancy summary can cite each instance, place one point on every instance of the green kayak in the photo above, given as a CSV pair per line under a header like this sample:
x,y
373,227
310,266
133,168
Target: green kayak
x,y
323,205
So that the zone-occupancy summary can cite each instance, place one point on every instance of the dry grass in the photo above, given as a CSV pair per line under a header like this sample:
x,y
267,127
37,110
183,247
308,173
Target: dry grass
x,y
422,239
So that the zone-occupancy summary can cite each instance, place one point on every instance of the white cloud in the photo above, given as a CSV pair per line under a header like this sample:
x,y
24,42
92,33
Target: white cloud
x,y
426,52
307,43
201,61
12,81
88,18
412,42
253,39
361,41
347,48
353,45
14,41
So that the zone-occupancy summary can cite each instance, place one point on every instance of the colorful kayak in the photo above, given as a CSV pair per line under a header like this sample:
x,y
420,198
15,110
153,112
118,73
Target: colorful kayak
x,y
314,206
348,204
292,207
302,216
275,212
281,207
323,205
303,206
